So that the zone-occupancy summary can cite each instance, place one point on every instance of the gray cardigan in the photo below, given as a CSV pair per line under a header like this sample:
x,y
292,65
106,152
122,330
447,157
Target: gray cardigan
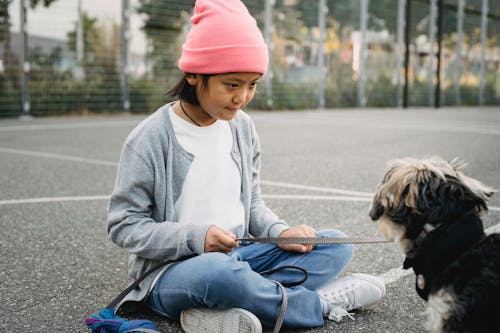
x,y
152,170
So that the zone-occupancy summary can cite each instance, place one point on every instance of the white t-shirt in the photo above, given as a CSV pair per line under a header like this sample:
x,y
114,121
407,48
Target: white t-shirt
x,y
211,194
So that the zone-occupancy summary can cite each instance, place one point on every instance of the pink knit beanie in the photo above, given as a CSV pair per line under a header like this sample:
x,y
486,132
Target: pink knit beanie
x,y
223,38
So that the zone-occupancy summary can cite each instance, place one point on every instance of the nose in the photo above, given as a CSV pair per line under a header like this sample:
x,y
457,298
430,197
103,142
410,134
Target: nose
x,y
240,96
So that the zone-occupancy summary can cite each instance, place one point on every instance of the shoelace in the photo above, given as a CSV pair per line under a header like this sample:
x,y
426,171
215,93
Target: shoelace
x,y
337,313
340,304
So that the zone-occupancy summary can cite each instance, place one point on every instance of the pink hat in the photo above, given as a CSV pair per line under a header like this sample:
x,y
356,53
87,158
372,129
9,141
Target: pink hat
x,y
224,38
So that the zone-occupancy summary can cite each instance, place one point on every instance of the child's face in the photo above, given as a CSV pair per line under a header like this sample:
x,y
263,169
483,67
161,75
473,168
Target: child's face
x,y
225,94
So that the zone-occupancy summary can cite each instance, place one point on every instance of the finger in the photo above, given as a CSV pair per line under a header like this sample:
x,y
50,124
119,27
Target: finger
x,y
228,240
294,247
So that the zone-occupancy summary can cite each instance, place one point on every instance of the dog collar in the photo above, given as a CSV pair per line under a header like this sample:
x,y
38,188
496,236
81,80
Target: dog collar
x,y
439,247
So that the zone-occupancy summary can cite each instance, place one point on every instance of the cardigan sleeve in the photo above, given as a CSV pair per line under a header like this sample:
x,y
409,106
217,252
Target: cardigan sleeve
x,y
130,222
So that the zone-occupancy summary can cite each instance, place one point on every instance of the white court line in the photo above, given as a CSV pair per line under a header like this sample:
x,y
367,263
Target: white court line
x,y
106,197
54,199
316,197
57,156
265,196
357,196
41,127
316,188
115,164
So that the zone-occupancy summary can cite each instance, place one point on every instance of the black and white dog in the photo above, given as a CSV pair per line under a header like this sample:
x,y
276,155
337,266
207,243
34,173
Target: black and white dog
x,y
432,211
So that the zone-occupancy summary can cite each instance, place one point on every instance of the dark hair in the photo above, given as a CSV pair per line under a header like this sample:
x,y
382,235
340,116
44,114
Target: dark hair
x,y
186,92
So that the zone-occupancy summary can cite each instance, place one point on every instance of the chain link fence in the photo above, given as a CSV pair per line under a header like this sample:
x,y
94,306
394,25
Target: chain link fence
x,y
89,56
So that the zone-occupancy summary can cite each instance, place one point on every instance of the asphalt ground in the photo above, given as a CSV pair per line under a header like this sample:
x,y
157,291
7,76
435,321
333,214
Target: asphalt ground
x,y
318,167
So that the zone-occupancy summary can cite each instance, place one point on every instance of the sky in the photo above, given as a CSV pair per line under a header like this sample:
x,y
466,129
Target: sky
x,y
60,18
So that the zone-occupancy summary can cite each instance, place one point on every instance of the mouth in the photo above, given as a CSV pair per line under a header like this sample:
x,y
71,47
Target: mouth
x,y
232,108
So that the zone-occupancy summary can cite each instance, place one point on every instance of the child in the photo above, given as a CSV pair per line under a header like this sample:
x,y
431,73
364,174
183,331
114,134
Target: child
x,y
188,183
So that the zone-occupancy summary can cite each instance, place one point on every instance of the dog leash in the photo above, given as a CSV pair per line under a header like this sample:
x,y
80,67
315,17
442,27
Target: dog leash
x,y
312,240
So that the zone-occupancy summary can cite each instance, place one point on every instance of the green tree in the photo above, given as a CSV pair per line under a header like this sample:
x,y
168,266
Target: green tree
x,y
89,29
101,44
44,65
7,58
163,25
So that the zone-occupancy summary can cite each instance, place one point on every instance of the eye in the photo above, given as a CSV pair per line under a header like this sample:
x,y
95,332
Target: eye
x,y
253,84
231,85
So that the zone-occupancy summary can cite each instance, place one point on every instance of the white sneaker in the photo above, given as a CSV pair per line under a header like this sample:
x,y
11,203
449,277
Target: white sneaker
x,y
233,320
353,291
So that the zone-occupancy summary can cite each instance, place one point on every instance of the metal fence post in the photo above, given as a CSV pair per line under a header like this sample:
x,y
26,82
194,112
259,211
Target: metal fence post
x,y
482,68
268,36
322,10
362,54
24,61
399,53
437,92
124,38
407,52
432,34
458,63
80,45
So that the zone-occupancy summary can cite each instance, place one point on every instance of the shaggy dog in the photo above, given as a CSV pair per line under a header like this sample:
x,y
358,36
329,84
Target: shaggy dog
x,y
432,211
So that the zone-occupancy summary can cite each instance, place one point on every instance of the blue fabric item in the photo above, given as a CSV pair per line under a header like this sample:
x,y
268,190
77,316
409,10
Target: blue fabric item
x,y
107,322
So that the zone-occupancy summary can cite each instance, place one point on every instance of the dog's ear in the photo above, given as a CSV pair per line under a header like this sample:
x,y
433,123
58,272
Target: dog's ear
x,y
376,210
454,195
467,195
390,196
475,193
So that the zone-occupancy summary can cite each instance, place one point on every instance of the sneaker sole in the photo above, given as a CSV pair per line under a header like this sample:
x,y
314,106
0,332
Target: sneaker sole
x,y
219,321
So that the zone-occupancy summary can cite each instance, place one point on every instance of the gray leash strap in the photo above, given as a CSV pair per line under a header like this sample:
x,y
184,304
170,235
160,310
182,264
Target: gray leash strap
x,y
312,240
284,305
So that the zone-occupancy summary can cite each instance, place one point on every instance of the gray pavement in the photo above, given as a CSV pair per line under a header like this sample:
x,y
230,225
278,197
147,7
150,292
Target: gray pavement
x,y
57,266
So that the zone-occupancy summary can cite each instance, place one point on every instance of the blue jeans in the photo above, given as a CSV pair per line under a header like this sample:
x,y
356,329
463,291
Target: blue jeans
x,y
222,281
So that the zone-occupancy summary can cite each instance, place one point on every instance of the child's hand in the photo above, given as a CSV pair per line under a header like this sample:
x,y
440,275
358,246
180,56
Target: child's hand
x,y
302,230
219,240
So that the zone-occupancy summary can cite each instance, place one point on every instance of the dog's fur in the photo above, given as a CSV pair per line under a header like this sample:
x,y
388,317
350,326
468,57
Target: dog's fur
x,y
431,210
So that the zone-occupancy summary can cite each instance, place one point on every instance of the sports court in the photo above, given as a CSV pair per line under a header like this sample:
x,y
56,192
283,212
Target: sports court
x,y
318,167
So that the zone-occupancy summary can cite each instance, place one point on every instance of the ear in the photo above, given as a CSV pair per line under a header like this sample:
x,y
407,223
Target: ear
x,y
476,192
480,192
376,210
441,199
192,79
469,194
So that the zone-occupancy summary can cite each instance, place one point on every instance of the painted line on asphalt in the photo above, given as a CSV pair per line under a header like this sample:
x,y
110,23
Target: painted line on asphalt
x,y
115,164
42,127
265,196
316,188
57,156
53,199
356,195
106,197
316,197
